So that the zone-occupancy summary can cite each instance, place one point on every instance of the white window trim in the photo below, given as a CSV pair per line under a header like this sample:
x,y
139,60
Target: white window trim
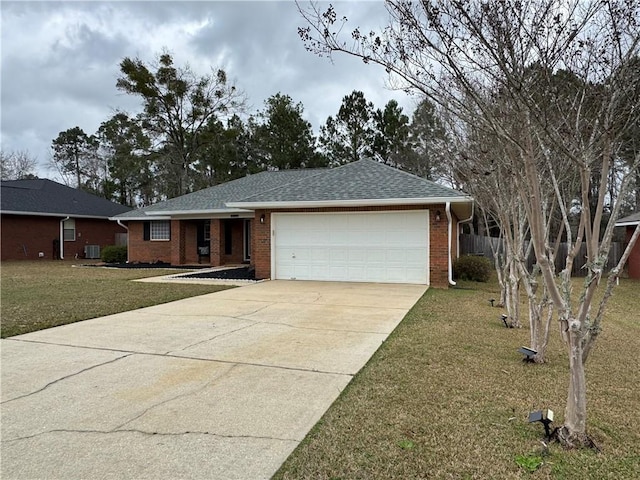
x,y
157,223
65,229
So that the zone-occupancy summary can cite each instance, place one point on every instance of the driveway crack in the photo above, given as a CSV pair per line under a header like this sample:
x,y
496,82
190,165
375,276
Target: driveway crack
x,y
147,433
168,400
215,336
65,378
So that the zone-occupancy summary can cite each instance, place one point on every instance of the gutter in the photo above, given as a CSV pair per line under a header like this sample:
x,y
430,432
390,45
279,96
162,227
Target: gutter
x,y
62,237
348,203
450,227
119,222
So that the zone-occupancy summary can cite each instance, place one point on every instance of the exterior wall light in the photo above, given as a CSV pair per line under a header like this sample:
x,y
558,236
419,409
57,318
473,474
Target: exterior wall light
x,y
438,216
262,217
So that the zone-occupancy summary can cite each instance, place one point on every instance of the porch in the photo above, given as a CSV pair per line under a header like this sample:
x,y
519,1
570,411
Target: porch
x,y
201,241
212,242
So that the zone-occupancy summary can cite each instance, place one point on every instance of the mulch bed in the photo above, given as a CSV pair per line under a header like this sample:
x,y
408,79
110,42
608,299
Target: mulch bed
x,y
243,273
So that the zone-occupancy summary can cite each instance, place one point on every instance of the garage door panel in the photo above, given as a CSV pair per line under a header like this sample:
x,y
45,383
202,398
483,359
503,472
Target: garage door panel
x,y
378,247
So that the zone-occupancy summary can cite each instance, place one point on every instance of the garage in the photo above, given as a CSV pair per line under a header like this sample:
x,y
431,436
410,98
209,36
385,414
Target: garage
x,y
385,247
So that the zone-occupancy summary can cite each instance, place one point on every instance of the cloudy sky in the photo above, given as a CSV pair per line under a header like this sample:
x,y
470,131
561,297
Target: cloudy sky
x,y
60,60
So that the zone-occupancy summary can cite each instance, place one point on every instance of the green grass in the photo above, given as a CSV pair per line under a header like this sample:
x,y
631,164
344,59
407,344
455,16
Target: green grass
x,y
38,295
447,396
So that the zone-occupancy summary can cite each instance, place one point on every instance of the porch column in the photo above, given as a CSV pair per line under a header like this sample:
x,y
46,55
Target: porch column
x,y
216,242
177,242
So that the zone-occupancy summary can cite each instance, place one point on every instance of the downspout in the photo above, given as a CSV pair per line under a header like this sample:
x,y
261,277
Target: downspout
x,y
450,227
62,237
119,222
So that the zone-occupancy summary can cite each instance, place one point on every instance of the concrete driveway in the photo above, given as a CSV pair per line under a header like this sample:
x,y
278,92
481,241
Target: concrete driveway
x,y
221,386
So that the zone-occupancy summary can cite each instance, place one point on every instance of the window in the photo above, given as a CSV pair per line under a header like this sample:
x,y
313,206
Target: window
x,y
69,230
207,230
161,230
247,240
228,237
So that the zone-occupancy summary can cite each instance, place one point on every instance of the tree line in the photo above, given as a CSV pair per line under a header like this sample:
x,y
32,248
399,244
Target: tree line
x,y
190,134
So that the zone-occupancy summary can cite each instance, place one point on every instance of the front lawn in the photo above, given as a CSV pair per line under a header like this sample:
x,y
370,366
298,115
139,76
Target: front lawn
x,y
447,396
38,295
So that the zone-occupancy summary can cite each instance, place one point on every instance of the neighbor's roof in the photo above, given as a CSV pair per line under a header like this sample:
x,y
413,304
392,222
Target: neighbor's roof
x,y
364,182
631,220
45,197
214,199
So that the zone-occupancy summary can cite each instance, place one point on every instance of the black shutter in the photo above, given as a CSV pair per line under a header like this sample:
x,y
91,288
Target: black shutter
x,y
146,231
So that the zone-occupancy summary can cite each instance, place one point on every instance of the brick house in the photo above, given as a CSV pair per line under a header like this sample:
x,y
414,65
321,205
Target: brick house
x,y
633,263
363,221
37,213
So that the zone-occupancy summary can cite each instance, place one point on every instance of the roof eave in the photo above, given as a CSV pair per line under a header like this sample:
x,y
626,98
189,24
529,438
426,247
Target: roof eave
x,y
628,224
139,218
47,214
350,203
213,211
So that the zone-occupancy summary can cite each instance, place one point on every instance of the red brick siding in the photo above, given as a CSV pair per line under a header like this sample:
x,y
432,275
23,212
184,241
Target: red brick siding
x,y
439,253
216,247
146,251
261,244
633,261
36,234
183,247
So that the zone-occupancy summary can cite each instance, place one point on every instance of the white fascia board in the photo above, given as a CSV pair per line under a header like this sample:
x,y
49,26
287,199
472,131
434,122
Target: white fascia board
x,y
350,203
628,224
41,214
137,219
183,213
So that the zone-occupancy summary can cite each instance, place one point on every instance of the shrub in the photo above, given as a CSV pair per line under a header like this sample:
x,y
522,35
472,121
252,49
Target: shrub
x,y
114,254
472,267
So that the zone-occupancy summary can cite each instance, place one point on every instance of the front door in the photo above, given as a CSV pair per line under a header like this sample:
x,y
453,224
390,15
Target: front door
x,y
204,240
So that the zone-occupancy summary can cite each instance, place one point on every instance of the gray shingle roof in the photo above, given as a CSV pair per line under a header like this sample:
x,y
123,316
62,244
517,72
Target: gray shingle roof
x,y
46,197
631,219
361,180
216,197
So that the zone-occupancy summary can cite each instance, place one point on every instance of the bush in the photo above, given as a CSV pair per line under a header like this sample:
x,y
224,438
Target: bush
x,y
114,254
472,267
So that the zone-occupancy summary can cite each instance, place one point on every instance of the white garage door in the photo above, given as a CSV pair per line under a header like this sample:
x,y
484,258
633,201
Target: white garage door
x,y
352,247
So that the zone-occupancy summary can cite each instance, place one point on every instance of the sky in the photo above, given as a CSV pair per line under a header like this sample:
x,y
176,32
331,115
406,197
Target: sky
x,y
60,60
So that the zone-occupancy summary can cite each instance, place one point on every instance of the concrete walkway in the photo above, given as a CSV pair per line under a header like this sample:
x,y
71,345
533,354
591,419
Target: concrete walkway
x,y
221,386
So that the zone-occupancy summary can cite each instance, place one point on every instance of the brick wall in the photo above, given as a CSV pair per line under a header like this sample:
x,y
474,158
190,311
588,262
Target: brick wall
x,y
146,251
261,244
634,258
439,247
438,258
25,236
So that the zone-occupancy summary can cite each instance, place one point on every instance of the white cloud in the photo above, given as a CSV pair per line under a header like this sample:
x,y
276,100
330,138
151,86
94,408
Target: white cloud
x,y
60,61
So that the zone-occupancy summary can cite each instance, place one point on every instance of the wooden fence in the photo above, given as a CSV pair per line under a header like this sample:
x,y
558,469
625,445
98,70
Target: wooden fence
x,y
479,245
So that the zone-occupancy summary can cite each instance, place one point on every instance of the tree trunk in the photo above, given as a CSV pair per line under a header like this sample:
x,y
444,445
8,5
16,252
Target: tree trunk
x,y
573,433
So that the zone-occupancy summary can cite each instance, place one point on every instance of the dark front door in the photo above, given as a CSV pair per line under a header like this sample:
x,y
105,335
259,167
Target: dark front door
x,y
204,240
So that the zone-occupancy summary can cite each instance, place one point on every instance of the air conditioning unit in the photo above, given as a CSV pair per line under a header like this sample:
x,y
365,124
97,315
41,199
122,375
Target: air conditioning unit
x,y
92,251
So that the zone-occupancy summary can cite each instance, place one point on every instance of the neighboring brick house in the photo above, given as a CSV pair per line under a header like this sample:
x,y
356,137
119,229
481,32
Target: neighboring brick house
x,y
633,263
361,222
36,214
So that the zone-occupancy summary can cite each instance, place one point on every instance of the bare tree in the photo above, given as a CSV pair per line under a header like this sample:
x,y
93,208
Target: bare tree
x,y
465,55
16,165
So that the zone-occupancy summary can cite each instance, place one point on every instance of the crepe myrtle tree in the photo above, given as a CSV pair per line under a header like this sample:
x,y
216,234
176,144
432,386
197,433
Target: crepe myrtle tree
x,y
461,55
